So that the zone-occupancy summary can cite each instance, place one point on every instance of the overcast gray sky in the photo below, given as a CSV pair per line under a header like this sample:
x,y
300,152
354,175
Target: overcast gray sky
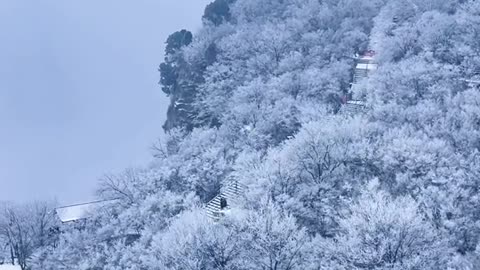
x,y
78,90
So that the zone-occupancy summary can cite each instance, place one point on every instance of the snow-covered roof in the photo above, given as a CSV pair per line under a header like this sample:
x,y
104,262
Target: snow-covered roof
x,y
78,211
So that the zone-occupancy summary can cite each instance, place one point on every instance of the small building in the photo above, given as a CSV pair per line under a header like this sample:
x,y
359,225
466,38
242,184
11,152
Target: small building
x,y
81,211
75,215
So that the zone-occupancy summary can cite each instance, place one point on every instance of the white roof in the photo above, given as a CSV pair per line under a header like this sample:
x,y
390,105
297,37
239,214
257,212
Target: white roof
x,y
78,211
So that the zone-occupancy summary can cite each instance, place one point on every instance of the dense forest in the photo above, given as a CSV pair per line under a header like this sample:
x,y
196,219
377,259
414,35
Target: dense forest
x,y
256,97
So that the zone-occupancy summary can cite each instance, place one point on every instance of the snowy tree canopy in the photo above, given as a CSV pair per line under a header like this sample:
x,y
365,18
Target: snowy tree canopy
x,y
259,95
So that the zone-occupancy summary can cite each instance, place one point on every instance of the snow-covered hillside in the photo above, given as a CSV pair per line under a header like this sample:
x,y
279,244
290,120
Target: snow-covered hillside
x,y
258,96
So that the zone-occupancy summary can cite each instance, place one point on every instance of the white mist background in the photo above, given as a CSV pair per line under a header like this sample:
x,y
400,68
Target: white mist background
x,y
78,90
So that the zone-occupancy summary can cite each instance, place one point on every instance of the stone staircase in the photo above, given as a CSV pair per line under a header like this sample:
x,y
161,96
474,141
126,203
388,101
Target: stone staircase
x,y
359,75
353,107
229,196
364,66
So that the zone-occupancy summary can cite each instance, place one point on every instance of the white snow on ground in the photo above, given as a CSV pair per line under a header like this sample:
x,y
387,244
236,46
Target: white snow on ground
x,y
9,267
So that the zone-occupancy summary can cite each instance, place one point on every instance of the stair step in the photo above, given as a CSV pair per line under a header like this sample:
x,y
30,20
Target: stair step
x,y
215,202
213,206
232,192
234,188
